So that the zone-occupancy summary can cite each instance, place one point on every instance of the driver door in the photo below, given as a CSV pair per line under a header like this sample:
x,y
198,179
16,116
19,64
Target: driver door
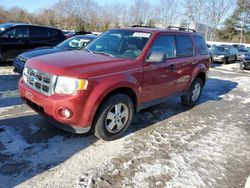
x,y
160,78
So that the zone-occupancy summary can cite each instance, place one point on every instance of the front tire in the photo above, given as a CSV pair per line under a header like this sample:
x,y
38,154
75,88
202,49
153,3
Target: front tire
x,y
193,94
226,61
114,117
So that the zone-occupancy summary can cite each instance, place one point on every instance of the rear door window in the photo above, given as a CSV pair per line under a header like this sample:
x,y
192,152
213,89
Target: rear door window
x,y
164,43
201,44
38,32
184,46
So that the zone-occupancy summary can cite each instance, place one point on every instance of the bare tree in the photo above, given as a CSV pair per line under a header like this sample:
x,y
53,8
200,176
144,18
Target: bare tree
x,y
140,12
169,11
80,10
194,10
215,12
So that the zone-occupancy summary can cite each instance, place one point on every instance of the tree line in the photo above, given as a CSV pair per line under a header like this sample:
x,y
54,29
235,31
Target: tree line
x,y
89,15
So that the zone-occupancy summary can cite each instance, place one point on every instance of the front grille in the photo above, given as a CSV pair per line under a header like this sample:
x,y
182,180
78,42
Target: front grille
x,y
39,81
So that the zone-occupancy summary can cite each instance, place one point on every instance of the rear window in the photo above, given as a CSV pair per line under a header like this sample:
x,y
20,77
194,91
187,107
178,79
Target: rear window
x,y
184,46
38,32
201,44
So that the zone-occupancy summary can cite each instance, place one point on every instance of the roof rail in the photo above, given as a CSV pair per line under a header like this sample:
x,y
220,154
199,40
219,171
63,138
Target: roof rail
x,y
143,26
181,28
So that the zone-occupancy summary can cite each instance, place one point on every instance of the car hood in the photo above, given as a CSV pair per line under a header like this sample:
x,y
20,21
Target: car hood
x,y
79,64
40,51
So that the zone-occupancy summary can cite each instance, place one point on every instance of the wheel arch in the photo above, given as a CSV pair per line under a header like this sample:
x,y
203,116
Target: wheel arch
x,y
106,88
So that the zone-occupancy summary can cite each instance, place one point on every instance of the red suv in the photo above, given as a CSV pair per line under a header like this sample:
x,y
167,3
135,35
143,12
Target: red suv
x,y
118,74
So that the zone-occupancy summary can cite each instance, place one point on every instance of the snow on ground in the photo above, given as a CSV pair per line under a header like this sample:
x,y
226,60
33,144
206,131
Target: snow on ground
x,y
168,145
247,185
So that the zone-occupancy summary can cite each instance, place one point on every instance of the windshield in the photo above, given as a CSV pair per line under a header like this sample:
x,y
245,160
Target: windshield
x,y
75,43
3,27
221,49
120,43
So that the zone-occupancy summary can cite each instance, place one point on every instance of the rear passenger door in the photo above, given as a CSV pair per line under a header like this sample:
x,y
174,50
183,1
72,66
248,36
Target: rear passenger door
x,y
185,61
39,37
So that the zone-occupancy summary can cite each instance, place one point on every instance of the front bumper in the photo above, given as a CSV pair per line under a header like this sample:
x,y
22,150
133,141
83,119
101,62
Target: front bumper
x,y
246,64
18,66
49,106
240,57
219,59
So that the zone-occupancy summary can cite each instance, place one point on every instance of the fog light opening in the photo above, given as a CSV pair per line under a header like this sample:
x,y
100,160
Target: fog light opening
x,y
65,113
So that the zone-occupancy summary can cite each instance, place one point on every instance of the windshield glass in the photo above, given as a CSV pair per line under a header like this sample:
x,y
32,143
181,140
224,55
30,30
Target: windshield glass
x,y
3,27
221,49
120,43
75,43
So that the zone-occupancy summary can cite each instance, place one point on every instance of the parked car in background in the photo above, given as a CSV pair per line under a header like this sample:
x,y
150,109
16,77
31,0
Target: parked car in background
x,y
245,64
224,53
16,38
241,53
77,42
73,33
100,88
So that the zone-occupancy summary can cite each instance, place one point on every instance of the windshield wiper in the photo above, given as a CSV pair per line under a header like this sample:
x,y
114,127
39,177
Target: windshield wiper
x,y
103,53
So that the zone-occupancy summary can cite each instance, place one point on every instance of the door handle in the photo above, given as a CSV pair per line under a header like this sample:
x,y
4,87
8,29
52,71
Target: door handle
x,y
172,67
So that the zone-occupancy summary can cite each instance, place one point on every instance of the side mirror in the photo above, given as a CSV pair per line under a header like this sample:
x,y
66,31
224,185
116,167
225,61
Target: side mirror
x,y
156,57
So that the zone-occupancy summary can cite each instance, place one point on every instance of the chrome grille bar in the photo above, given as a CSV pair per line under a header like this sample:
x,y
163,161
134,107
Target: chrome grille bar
x,y
39,81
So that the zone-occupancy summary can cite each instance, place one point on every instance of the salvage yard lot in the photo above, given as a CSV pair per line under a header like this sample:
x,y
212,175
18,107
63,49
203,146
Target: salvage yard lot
x,y
167,145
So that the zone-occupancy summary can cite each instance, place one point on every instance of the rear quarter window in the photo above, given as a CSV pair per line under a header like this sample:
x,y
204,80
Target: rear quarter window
x,y
52,32
184,46
201,44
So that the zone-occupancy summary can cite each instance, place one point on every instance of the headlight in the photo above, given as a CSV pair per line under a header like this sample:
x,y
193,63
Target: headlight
x,y
25,72
221,56
67,85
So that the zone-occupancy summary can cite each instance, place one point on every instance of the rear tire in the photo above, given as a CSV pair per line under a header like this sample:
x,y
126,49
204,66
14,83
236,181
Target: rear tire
x,y
235,60
114,117
193,94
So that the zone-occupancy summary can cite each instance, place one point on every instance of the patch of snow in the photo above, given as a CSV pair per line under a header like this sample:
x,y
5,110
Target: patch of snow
x,y
247,185
7,71
34,128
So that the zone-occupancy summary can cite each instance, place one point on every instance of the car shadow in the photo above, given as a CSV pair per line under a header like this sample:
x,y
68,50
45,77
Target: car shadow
x,y
216,64
38,138
213,91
